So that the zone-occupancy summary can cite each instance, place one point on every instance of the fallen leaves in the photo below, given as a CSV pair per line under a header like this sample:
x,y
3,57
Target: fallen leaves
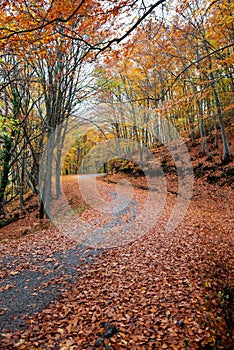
x,y
159,292
6,287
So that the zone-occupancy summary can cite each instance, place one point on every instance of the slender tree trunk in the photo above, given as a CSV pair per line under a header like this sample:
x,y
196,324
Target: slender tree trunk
x,y
226,149
5,170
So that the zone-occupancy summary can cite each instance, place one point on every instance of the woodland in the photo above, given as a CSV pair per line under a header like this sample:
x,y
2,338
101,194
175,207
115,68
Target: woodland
x,y
142,93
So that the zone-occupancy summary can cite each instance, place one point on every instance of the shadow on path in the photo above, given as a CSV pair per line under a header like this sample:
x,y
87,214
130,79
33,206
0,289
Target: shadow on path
x,y
31,290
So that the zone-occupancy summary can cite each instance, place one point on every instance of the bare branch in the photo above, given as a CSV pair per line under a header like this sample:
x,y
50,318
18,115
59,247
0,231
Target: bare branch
x,y
130,30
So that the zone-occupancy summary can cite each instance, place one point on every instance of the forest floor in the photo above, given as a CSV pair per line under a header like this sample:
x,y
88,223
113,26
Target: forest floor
x,y
149,288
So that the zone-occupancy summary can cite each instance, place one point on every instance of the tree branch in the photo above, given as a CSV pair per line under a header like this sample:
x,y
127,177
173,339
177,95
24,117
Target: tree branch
x,y
130,30
57,20
182,72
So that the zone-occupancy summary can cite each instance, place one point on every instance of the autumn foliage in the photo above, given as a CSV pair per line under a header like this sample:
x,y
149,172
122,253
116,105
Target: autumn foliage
x,y
157,77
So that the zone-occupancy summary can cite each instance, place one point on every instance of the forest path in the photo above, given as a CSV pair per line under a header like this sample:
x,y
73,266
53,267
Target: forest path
x,y
159,289
37,268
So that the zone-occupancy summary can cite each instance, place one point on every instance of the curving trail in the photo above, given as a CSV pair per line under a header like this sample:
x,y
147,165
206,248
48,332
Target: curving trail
x,y
85,289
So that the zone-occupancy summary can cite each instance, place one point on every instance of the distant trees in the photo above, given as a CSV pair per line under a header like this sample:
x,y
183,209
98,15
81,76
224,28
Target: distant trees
x,y
178,70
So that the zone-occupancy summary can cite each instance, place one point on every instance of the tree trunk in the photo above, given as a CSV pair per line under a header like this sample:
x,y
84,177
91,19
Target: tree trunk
x,y
5,171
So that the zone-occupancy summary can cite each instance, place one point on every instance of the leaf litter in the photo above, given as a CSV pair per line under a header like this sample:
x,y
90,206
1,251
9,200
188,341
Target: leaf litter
x,y
161,291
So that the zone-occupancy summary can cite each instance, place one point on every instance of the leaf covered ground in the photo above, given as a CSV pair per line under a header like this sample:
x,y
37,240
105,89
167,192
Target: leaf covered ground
x,y
162,290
